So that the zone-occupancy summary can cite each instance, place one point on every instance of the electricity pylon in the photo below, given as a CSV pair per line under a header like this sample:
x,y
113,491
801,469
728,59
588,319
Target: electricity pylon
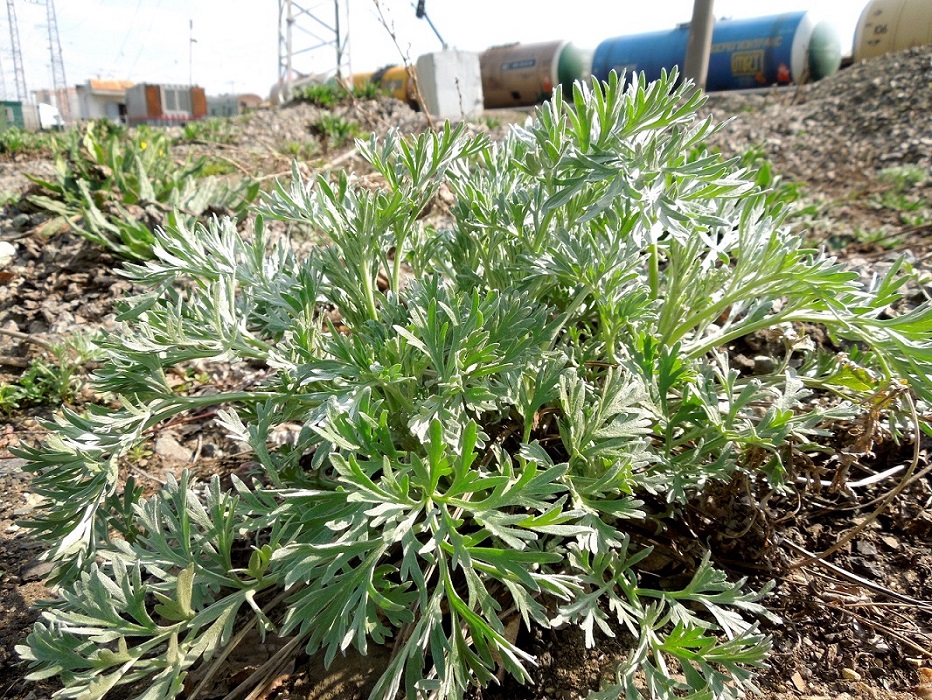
x,y
19,77
59,82
306,34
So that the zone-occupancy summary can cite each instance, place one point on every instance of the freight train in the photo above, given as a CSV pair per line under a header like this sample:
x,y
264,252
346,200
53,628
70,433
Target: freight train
x,y
789,48
774,50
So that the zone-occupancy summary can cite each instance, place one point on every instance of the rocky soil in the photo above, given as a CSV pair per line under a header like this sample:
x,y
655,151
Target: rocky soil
x,y
858,149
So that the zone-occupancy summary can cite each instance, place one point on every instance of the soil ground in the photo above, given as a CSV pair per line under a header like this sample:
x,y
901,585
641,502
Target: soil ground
x,y
855,624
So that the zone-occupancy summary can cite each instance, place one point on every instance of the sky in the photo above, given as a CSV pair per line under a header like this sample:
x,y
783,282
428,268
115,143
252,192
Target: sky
x,y
235,47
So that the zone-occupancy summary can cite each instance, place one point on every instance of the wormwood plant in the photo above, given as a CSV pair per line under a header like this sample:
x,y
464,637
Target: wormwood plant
x,y
492,410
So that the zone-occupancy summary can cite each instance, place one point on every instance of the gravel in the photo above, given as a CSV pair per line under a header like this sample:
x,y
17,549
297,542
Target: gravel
x,y
842,130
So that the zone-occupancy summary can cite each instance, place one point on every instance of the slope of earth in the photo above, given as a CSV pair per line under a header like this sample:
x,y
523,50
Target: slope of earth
x,y
857,148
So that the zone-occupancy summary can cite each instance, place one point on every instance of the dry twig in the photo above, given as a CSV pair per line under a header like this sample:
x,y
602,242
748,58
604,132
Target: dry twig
x,y
28,338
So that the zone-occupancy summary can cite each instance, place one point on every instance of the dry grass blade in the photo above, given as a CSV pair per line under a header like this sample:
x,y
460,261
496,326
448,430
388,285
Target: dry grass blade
x,y
854,578
884,503
254,686
217,662
412,74
887,631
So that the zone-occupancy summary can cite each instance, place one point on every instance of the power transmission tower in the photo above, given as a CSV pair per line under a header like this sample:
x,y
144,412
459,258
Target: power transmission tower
x,y
19,75
305,35
59,83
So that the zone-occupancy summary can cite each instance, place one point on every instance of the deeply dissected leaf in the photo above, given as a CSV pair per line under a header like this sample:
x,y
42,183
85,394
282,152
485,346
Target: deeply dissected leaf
x,y
477,434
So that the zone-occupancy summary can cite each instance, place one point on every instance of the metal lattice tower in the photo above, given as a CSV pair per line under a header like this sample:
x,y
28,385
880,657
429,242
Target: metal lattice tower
x,y
306,35
59,83
19,75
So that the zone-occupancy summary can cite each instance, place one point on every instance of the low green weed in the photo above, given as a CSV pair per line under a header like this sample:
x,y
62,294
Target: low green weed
x,y
214,167
16,141
321,94
334,131
493,413
42,383
765,177
367,91
904,190
211,130
302,150
50,382
116,187
332,94
904,178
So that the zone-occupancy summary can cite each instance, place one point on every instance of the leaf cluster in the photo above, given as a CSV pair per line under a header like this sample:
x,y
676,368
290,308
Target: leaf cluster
x,y
492,408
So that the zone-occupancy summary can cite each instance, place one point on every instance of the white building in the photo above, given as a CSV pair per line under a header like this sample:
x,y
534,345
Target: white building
x,y
103,99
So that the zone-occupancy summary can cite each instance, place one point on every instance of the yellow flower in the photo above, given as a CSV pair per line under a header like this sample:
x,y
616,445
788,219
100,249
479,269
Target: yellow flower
x,y
142,145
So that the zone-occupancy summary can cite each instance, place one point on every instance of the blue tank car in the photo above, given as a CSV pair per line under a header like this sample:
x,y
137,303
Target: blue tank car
x,y
746,53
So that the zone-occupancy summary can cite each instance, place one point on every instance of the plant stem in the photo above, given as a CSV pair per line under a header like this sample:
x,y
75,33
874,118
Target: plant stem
x,y
653,271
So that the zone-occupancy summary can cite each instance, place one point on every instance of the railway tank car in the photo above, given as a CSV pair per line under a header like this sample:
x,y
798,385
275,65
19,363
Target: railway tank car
x,y
746,53
887,26
392,79
519,75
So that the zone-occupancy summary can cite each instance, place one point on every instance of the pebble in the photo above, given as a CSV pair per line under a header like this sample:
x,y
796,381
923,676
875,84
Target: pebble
x,y
764,364
168,447
12,466
35,571
7,253
849,674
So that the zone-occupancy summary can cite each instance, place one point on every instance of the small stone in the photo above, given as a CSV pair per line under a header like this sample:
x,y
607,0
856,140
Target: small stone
x,y
798,682
209,450
35,571
20,221
168,447
849,674
764,364
7,253
891,542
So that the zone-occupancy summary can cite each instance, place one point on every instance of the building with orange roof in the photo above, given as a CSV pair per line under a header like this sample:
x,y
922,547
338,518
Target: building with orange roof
x,y
103,99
